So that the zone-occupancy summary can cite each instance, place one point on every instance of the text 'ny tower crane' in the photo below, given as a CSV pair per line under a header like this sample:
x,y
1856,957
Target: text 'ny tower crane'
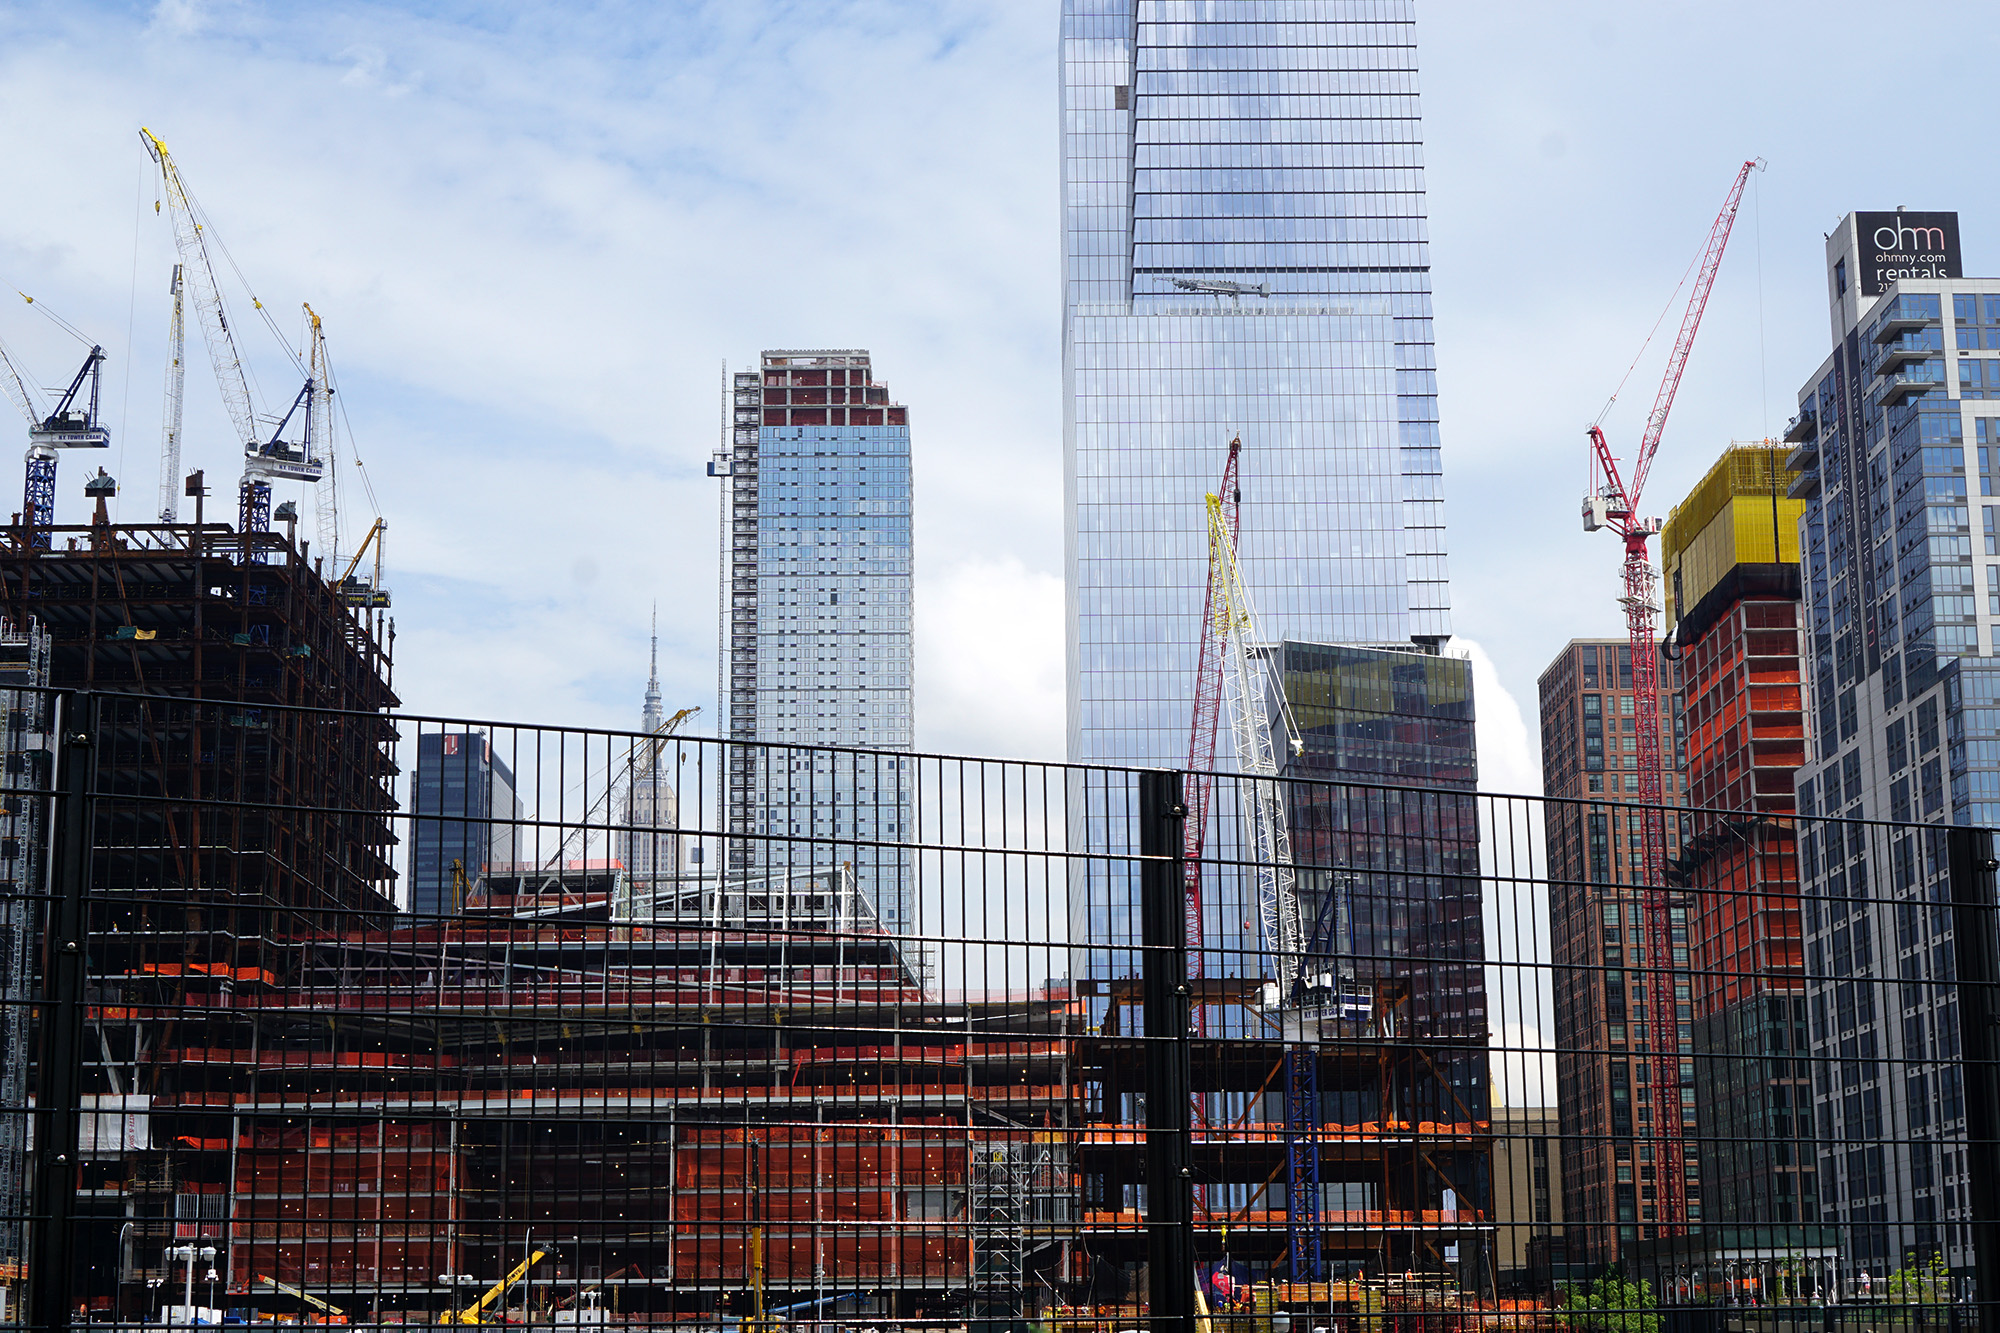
x,y
1614,504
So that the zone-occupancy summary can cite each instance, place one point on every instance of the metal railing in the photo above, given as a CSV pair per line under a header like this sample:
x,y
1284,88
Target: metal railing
x,y
355,1013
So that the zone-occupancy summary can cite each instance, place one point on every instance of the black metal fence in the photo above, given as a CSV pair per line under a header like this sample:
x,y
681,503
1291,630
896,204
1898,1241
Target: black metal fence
x,y
330,1017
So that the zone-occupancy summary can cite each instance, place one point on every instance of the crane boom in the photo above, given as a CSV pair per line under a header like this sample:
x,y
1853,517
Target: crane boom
x,y
1244,688
1704,282
199,274
475,1313
17,389
1243,692
1615,506
300,1293
170,415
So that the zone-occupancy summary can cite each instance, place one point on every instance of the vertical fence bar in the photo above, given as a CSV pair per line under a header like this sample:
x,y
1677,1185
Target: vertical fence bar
x,y
1169,1171
59,1075
1972,927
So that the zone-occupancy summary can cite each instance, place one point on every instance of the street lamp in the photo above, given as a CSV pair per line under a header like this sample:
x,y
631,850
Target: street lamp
x,y
188,1254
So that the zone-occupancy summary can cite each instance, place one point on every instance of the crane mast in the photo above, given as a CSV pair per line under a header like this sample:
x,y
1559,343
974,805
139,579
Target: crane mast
x,y
1207,713
1236,672
170,416
1244,686
1613,505
319,429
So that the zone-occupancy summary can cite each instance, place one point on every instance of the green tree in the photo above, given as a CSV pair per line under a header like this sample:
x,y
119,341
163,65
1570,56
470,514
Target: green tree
x,y
1611,1304
1928,1284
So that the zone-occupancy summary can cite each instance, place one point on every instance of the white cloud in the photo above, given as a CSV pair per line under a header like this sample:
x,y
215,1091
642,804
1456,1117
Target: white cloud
x,y
1523,1064
1509,752
990,661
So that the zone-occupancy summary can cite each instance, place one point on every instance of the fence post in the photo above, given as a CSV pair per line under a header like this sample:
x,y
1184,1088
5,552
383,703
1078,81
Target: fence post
x,y
1169,1170
58,1071
1972,927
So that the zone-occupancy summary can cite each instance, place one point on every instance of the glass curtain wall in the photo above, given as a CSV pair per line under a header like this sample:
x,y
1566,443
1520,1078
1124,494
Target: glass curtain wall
x,y
1245,254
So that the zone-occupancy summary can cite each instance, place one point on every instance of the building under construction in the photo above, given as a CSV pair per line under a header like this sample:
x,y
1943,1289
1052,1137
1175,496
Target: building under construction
x,y
684,1122
221,645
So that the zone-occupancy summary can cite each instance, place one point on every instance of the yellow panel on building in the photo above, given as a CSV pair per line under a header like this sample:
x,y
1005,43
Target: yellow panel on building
x,y
1736,515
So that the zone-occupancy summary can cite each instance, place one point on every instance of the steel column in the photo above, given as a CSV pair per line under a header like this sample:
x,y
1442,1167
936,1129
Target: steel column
x,y
59,1073
1971,865
1164,970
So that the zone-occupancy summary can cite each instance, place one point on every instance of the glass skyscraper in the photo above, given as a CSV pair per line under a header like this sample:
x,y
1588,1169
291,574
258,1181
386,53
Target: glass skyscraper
x,y
1273,145
1244,254
819,624
463,805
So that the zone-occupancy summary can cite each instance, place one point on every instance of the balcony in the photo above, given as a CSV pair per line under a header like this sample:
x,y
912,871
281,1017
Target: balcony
x,y
1915,377
1901,351
1804,486
1904,314
1803,428
1805,457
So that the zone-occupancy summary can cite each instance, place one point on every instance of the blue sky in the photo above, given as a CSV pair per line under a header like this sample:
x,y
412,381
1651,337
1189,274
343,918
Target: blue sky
x,y
535,233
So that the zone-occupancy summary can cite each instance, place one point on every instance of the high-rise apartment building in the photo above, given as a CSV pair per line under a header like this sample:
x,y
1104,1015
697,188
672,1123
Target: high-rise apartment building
x,y
820,648
1244,254
1898,441
1604,1063
1729,554
463,806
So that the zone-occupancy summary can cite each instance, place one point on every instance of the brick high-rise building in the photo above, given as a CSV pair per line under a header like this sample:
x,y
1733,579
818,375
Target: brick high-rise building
x,y
1730,555
1604,1069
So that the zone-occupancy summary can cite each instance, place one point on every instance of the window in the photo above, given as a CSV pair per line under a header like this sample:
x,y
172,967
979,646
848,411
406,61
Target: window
x,y
1840,278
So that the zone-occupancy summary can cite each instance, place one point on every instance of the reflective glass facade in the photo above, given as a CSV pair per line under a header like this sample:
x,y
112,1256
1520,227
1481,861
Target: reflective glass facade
x,y
1244,254
820,638
1272,144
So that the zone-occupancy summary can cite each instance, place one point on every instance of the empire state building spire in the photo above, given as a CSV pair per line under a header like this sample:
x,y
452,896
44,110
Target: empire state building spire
x,y
649,718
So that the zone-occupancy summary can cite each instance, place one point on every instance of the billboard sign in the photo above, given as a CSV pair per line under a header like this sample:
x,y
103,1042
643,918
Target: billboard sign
x,y
1906,245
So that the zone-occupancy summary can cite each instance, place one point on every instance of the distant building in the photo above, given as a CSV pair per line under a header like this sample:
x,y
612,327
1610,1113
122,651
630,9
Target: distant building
x,y
1729,553
1527,1195
1390,892
1590,749
819,625
1380,907
647,841
462,808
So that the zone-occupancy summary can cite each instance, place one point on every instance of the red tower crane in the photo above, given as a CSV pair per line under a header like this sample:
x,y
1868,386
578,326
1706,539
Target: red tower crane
x,y
1207,717
1615,505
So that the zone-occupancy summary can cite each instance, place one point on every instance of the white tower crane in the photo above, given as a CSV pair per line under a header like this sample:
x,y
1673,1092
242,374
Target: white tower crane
x,y
72,425
1244,688
264,461
319,430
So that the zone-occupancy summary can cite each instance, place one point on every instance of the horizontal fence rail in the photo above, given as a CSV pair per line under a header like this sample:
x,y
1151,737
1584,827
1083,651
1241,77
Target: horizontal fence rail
x,y
313,1016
